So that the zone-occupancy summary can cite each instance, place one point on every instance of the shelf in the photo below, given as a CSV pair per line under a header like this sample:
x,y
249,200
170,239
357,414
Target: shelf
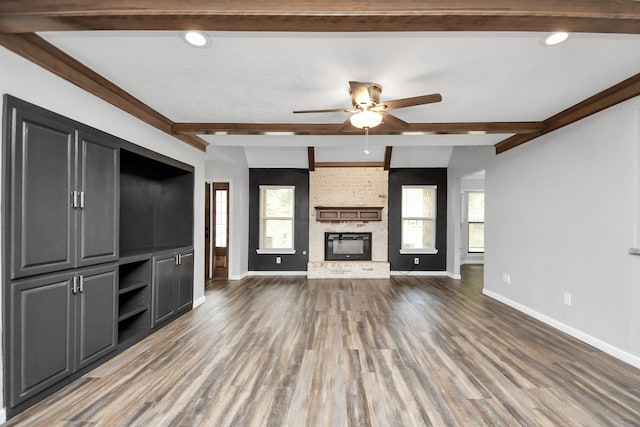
x,y
129,336
132,312
131,286
348,213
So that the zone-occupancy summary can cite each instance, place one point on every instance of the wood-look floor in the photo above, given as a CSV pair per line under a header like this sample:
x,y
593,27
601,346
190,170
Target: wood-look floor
x,y
409,351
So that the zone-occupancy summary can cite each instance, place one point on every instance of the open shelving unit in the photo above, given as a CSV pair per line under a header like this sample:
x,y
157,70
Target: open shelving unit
x,y
134,298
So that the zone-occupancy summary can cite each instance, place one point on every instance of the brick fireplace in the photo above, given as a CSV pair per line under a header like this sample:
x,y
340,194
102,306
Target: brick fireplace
x,y
348,187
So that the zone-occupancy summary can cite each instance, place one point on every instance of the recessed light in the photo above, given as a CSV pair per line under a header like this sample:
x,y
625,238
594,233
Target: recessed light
x,y
273,133
197,38
553,39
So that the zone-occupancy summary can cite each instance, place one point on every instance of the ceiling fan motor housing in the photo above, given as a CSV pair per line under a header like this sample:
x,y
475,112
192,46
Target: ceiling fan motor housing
x,y
374,91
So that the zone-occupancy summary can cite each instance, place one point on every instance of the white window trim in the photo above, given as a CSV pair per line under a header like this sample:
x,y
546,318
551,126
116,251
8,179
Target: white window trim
x,y
430,250
284,251
276,251
419,251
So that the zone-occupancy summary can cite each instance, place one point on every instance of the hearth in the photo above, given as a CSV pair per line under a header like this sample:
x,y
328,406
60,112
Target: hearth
x,y
347,246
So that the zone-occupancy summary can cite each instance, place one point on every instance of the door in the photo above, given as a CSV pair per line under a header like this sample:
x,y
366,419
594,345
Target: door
x,y
220,230
98,176
185,281
96,314
207,231
164,287
42,181
40,334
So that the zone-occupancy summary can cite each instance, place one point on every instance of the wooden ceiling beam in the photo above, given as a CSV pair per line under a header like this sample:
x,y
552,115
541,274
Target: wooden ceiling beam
x,y
349,164
611,16
47,56
311,153
333,129
627,89
387,157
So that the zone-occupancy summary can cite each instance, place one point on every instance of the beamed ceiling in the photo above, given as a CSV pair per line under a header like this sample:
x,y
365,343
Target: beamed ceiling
x,y
500,85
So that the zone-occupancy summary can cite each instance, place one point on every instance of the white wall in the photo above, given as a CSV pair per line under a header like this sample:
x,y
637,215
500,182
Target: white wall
x,y
21,78
228,164
562,212
464,161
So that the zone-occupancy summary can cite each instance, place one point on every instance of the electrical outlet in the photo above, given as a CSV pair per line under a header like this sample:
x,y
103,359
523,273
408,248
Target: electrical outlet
x,y
506,278
567,299
416,261
278,260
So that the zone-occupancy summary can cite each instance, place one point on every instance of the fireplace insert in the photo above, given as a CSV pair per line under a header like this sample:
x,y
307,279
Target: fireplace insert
x,y
347,246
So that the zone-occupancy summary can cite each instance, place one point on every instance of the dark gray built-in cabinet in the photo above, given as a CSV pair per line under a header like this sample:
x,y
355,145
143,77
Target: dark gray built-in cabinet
x,y
87,220
64,204
61,322
172,276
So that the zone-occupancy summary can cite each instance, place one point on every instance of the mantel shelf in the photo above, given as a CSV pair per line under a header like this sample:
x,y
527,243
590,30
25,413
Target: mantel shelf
x,y
348,213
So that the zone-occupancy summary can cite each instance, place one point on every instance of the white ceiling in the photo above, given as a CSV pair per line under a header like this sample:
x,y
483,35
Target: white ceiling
x,y
262,77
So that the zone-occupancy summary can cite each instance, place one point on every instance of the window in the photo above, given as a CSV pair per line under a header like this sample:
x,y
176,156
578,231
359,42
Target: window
x,y
277,207
418,219
222,197
475,220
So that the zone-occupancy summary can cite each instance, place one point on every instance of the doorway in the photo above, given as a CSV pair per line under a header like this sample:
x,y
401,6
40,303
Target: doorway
x,y
217,230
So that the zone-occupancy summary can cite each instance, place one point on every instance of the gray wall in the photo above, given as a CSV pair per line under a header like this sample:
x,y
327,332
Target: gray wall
x,y
228,164
464,161
562,212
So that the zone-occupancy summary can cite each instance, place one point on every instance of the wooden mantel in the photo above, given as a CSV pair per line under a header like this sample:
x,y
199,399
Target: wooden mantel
x,y
348,213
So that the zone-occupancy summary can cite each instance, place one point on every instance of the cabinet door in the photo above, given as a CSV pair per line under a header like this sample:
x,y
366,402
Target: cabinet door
x,y
164,287
98,181
40,335
96,314
185,281
42,180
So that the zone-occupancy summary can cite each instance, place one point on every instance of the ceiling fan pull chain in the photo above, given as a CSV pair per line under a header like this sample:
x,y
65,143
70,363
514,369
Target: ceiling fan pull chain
x,y
366,140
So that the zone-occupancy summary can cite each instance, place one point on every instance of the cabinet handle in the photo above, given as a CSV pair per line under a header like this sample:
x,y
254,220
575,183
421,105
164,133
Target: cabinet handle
x,y
179,259
74,287
175,259
81,199
74,199
81,283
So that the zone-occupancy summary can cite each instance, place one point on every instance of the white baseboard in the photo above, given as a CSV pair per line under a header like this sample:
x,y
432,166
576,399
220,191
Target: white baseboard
x,y
582,336
3,416
239,276
277,273
199,301
419,273
454,276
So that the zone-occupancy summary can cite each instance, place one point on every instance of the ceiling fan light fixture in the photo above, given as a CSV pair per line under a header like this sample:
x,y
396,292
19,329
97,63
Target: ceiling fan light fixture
x,y
366,119
553,39
197,38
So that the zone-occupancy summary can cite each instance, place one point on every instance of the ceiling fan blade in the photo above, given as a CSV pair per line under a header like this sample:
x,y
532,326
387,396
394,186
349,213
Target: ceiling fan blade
x,y
410,102
392,120
344,125
330,110
360,93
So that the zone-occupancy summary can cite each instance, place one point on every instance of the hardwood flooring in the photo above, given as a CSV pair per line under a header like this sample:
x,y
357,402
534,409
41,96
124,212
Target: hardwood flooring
x,y
409,351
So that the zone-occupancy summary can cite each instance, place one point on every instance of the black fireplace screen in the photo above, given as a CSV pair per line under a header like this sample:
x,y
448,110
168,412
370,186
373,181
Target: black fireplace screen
x,y
347,246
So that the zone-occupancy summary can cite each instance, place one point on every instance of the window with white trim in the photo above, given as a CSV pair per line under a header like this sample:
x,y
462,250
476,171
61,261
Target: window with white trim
x,y
418,219
277,207
475,221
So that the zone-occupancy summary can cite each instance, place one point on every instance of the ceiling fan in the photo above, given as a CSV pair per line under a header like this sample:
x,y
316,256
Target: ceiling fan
x,y
369,111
